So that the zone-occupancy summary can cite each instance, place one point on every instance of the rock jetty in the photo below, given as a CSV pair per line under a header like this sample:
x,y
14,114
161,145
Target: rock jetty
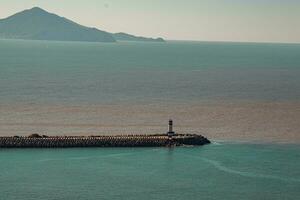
x,y
159,140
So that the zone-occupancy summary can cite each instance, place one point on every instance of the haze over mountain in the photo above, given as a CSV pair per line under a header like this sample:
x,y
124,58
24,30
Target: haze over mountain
x,y
38,24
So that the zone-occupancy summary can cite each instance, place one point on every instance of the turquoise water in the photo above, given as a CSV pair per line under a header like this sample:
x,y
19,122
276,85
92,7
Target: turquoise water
x,y
217,171
92,73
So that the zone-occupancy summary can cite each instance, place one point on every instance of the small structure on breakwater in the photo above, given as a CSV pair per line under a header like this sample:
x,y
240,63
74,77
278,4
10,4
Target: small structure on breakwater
x,y
170,133
155,140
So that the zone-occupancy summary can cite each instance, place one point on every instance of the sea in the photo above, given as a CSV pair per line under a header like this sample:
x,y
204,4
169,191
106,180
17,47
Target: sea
x,y
245,97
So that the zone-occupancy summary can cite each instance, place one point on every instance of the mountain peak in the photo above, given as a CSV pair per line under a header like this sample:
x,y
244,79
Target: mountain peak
x,y
36,10
38,24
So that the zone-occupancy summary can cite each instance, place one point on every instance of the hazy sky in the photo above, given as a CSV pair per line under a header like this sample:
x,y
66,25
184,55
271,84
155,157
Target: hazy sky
x,y
216,20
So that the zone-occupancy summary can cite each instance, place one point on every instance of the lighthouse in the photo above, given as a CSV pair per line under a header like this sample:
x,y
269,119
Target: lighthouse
x,y
170,133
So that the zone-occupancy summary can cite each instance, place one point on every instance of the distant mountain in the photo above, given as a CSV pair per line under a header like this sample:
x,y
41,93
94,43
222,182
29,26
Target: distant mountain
x,y
128,37
38,24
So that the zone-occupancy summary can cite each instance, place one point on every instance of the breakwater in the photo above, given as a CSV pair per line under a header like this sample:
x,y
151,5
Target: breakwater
x,y
162,140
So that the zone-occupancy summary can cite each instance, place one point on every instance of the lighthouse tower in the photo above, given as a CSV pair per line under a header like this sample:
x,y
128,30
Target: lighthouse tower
x,y
170,133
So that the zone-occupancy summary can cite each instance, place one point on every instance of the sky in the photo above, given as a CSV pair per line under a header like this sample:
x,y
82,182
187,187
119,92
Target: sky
x,y
201,20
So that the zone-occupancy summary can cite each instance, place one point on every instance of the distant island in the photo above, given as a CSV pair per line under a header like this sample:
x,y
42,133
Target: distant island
x,y
38,24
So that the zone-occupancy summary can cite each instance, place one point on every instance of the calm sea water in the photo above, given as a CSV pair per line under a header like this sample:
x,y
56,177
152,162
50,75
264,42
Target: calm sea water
x,y
216,172
85,73
66,73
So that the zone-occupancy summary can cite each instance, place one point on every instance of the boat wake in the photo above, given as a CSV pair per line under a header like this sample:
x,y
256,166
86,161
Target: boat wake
x,y
218,165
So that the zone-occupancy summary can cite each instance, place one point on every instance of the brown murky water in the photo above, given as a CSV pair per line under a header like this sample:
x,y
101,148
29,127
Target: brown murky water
x,y
242,121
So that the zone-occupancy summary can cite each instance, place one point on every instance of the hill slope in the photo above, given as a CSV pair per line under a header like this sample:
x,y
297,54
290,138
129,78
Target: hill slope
x,y
38,24
128,37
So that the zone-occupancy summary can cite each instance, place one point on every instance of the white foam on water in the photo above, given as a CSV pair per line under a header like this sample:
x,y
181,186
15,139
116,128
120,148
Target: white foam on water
x,y
216,143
